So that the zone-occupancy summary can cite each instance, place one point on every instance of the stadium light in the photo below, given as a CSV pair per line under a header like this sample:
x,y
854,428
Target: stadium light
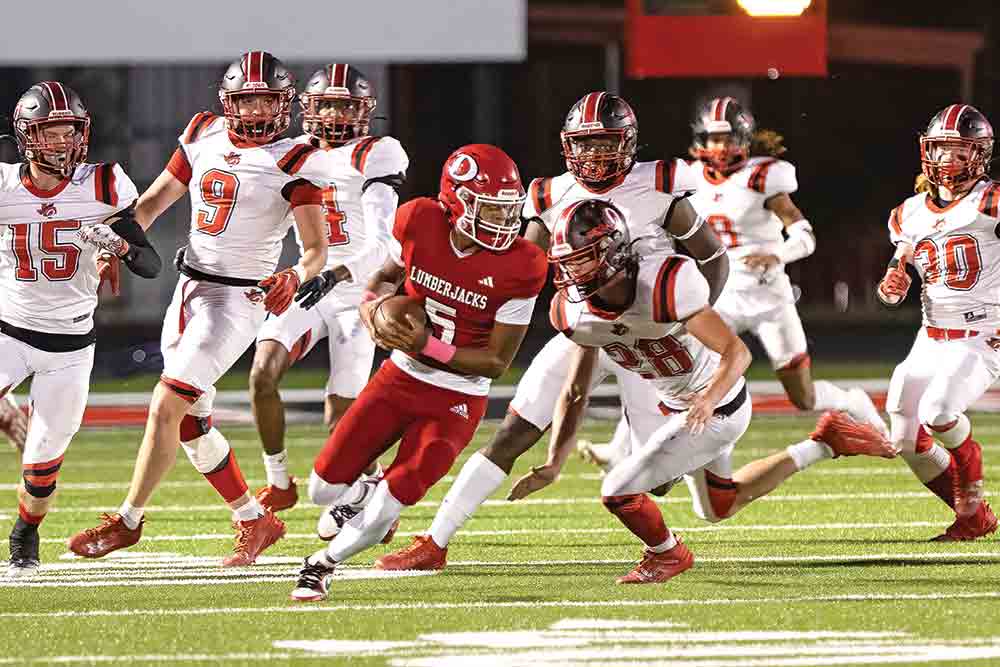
x,y
774,7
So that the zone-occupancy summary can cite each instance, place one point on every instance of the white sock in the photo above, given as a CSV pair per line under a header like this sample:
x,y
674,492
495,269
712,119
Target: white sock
x,y
927,465
321,556
667,544
476,482
368,527
809,452
954,436
130,514
829,396
276,468
248,511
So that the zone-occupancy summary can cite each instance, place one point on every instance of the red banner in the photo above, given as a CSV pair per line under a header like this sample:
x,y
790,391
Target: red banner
x,y
724,45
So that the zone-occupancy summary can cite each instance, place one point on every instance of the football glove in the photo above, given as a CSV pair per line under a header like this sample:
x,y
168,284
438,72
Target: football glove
x,y
280,288
103,237
109,271
895,284
314,289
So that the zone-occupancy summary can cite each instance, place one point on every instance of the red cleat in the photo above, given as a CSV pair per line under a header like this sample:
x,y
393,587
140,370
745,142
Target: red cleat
x,y
423,554
971,527
276,499
111,535
657,568
392,531
252,537
847,437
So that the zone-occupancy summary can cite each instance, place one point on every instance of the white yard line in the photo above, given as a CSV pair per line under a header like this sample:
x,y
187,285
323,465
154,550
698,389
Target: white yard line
x,y
493,604
717,528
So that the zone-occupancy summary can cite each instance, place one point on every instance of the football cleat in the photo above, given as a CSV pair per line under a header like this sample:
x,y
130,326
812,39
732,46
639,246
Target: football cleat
x,y
112,534
423,554
594,453
971,527
252,537
862,409
334,517
657,568
24,561
314,582
276,499
968,480
847,437
13,422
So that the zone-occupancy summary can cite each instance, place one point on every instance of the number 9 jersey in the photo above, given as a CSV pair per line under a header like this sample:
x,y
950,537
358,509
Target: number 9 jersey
x,y
649,337
957,254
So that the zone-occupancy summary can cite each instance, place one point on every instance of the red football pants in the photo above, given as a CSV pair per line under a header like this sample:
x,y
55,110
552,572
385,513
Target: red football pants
x,y
435,425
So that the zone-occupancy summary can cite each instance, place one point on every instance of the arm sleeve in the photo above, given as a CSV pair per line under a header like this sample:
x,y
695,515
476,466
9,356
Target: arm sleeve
x,y
517,311
141,258
680,290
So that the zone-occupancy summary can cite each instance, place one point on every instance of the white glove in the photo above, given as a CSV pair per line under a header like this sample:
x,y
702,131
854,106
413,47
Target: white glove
x,y
104,238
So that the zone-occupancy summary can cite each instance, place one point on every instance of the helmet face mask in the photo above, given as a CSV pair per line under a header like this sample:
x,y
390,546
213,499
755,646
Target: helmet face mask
x,y
52,128
956,149
591,248
337,104
600,138
492,222
257,92
722,151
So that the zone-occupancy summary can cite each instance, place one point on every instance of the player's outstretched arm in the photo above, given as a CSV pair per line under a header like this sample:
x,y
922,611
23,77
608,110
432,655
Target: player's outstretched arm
x,y
708,327
158,197
566,420
690,230
121,236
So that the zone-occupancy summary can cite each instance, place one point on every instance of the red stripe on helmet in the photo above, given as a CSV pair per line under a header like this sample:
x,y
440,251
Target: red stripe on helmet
x,y
591,107
338,79
951,116
255,67
57,94
719,107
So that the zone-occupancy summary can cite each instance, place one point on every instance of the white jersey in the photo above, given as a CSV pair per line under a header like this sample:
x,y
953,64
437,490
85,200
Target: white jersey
x,y
644,197
49,275
957,253
734,206
241,197
358,231
649,338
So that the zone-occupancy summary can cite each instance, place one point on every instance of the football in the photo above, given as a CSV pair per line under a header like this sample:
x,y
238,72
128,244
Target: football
x,y
396,308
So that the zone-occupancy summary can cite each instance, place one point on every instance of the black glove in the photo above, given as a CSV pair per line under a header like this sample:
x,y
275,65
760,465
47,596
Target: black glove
x,y
179,257
311,291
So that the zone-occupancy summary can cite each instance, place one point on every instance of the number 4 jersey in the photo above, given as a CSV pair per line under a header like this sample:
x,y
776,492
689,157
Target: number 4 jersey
x,y
649,338
957,253
49,275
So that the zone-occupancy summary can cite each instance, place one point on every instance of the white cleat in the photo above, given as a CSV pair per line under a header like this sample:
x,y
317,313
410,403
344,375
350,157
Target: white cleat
x,y
861,408
314,582
22,568
334,517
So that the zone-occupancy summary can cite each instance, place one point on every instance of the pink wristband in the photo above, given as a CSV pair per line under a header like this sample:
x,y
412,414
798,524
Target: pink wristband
x,y
438,350
368,296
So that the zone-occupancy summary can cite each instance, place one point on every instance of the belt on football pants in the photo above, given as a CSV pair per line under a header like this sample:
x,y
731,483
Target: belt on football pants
x,y
49,342
726,410
938,333
195,274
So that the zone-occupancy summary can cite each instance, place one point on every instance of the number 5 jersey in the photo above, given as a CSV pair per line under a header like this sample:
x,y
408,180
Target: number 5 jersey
x,y
649,337
955,251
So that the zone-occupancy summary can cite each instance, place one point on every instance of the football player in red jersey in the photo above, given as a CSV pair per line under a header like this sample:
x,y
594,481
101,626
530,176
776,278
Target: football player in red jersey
x,y
461,253
242,179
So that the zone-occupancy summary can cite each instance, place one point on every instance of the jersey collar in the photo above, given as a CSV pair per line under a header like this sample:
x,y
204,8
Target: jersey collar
x,y
30,186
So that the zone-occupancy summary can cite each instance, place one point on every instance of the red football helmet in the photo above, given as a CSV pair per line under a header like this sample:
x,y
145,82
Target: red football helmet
x,y
957,147
42,109
600,138
590,246
257,74
481,188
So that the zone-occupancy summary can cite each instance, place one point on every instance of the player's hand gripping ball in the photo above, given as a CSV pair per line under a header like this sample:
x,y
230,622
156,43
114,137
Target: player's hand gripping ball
x,y
400,323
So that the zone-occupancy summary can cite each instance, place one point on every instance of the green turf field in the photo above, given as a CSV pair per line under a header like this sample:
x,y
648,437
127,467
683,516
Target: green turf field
x,y
833,569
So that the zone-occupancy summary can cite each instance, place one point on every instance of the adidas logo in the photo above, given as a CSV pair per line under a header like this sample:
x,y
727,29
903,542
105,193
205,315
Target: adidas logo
x,y
462,410
488,281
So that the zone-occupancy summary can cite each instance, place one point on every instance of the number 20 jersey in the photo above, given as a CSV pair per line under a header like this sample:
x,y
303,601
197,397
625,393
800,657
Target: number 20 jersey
x,y
649,338
48,275
956,251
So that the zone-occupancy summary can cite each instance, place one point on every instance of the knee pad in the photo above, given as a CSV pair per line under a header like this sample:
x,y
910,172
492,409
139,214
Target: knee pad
x,y
409,481
324,493
207,452
40,478
193,427
712,496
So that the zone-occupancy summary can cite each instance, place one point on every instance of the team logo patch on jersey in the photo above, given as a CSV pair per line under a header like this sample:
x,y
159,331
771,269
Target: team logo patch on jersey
x,y
938,224
974,316
462,410
232,159
254,296
488,281
717,196
619,329
47,209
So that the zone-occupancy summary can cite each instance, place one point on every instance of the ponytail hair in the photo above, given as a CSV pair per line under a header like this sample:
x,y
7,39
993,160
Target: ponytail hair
x,y
767,143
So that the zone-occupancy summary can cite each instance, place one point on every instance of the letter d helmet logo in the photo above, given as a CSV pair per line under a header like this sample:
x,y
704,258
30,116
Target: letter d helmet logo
x,y
463,168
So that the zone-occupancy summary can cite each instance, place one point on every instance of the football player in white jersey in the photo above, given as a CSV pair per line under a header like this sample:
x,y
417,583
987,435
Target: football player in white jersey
x,y
599,141
59,214
337,103
744,191
242,180
948,232
650,313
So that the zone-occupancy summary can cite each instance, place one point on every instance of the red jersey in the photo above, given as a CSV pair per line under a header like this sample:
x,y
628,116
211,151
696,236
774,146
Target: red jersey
x,y
464,293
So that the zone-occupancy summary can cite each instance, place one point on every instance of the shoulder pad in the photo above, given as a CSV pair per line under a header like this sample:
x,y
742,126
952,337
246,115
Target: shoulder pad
x,y
196,128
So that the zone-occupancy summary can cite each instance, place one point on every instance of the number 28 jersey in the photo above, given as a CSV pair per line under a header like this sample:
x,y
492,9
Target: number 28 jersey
x,y
956,251
649,338
48,274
